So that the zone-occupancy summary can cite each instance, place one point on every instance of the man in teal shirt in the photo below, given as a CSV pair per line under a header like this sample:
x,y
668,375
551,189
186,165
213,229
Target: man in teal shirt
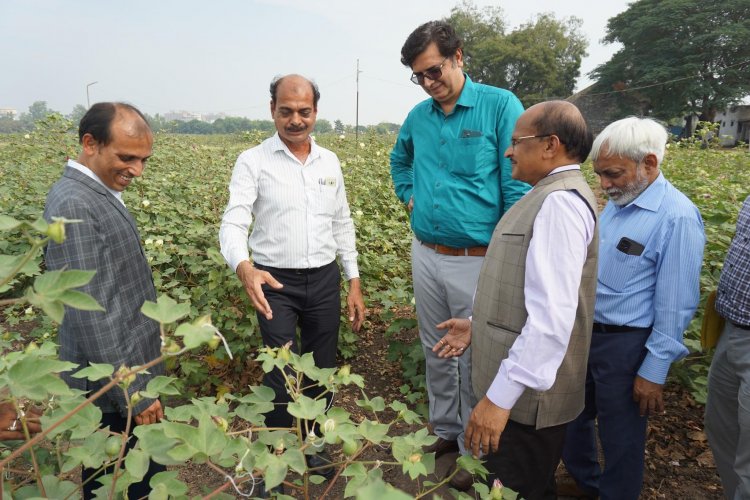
x,y
448,168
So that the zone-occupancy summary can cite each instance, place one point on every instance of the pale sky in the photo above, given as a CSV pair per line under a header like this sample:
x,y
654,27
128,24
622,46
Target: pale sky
x,y
220,56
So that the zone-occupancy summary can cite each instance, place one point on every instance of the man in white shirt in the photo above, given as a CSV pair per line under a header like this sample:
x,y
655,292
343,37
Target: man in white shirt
x,y
294,189
533,309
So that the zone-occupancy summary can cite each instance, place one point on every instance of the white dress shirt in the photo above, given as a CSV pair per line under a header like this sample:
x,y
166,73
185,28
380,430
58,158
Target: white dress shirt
x,y
302,218
90,173
563,230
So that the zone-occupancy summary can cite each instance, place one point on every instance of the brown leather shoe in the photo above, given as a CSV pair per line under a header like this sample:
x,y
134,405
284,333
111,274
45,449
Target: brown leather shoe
x,y
441,447
463,479
568,488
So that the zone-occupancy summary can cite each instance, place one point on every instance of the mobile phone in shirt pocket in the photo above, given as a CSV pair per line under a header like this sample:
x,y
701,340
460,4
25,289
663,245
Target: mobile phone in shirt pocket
x,y
618,269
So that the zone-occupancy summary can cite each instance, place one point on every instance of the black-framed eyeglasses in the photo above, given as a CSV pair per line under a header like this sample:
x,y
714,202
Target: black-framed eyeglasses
x,y
432,73
514,142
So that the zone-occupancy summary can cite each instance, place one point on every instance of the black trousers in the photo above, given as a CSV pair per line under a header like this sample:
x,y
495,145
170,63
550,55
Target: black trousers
x,y
527,459
310,299
116,423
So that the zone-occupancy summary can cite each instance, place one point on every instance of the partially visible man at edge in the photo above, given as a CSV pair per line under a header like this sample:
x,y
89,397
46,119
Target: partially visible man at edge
x,y
728,402
116,141
534,307
448,169
294,190
651,252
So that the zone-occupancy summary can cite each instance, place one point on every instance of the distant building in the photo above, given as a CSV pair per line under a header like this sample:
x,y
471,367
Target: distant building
x,y
181,116
734,125
212,117
5,112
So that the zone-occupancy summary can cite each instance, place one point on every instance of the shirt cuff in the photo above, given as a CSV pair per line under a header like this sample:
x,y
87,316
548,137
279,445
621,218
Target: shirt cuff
x,y
654,369
351,270
504,392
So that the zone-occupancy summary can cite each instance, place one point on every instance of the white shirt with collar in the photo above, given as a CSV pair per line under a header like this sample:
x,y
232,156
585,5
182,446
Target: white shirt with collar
x,y
90,173
563,229
298,211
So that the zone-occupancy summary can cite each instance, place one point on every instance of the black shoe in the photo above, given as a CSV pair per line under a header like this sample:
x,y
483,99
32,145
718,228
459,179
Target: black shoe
x,y
321,459
441,447
260,490
462,481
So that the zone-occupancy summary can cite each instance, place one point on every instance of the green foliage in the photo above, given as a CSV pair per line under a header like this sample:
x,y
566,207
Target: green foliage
x,y
679,56
537,61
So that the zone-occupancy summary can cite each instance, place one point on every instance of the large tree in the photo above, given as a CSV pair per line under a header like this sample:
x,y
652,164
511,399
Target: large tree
x,y
539,60
679,56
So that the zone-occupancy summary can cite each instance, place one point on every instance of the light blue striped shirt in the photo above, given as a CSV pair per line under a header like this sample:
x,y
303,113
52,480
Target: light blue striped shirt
x,y
660,287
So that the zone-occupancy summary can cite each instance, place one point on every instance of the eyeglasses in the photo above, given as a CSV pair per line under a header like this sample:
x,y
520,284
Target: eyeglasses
x,y
432,73
514,142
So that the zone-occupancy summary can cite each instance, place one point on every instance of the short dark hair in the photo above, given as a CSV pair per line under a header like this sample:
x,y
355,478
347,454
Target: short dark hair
x,y
98,120
563,119
440,32
277,80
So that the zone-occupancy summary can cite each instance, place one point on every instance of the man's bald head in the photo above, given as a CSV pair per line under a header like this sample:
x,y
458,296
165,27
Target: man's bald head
x,y
98,120
564,120
294,81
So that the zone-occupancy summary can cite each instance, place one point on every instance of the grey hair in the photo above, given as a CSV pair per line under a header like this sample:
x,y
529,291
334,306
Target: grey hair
x,y
632,138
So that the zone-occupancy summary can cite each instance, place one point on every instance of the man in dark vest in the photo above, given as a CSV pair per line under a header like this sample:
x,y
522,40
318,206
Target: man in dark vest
x,y
534,306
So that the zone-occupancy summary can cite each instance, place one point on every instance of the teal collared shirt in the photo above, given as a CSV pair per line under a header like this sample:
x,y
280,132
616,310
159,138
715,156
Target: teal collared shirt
x,y
453,166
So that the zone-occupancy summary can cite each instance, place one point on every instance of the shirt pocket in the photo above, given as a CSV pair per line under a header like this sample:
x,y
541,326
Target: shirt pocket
x,y
469,154
618,269
324,200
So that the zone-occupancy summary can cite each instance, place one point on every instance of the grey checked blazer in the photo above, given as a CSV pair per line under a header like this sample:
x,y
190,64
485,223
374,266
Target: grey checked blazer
x,y
108,242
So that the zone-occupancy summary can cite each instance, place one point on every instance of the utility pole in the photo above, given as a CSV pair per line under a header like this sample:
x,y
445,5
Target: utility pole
x,y
356,116
88,102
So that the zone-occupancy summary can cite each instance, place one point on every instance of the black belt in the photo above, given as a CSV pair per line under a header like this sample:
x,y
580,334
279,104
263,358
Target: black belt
x,y
741,327
309,270
602,328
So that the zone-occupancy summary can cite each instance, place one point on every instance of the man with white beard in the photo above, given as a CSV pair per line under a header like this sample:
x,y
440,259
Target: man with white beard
x,y
650,255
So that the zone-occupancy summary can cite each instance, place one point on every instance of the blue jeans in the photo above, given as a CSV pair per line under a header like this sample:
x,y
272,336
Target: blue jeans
x,y
614,360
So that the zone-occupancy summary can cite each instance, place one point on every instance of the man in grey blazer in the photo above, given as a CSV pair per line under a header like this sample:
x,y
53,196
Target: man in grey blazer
x,y
115,143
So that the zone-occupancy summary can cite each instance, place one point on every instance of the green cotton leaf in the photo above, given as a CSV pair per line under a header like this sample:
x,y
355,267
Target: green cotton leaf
x,y
274,470
153,440
75,278
56,282
472,465
136,463
215,255
95,371
307,408
40,225
82,424
80,300
206,438
165,310
160,385
53,487
375,404
52,308
9,262
295,459
377,488
374,431
89,454
35,378
7,223
316,479
195,335
360,476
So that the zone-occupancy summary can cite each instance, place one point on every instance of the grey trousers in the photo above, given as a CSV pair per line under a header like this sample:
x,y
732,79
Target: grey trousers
x,y
444,288
728,411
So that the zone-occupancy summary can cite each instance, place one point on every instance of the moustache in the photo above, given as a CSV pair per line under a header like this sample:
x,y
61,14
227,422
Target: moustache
x,y
293,128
